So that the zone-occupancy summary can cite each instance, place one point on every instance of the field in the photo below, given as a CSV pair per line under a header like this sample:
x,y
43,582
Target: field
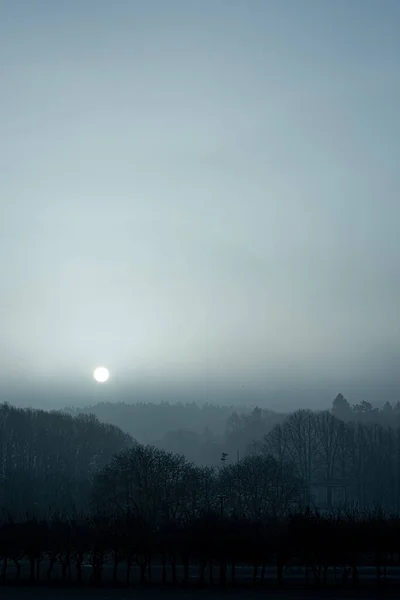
x,y
294,582
28,593
243,573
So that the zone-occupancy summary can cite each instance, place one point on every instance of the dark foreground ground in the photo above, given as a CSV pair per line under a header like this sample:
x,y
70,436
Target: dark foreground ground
x,y
293,575
294,580
28,593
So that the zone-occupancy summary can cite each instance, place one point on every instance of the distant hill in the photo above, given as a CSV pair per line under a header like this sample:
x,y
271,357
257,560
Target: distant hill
x,y
202,432
150,421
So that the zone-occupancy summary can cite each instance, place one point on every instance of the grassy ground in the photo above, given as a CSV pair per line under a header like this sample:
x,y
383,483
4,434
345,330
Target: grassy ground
x,y
26,593
294,586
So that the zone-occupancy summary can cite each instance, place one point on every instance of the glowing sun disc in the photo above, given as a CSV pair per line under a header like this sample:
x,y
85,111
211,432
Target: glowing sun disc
x,y
101,374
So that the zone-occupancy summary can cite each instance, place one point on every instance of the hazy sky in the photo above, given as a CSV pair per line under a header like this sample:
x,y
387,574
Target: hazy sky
x,y
200,189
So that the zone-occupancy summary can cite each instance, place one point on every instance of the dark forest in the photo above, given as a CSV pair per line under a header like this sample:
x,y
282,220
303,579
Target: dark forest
x,y
312,495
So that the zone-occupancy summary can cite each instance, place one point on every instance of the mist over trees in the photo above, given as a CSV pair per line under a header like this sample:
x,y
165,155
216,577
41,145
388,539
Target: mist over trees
x,y
200,432
348,454
203,432
75,490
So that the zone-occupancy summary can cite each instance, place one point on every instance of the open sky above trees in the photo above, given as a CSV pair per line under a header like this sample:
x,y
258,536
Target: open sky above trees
x,y
200,196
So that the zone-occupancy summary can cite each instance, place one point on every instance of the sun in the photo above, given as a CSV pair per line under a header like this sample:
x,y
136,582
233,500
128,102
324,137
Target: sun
x,y
101,374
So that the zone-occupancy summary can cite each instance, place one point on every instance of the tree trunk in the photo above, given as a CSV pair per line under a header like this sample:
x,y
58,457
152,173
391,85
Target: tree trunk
x,y
64,567
355,574
279,572
50,567
378,571
78,566
263,572
115,569
203,565
4,569
32,568
97,567
186,570
255,572
143,566
128,570
222,572
325,574
173,564
329,497
316,573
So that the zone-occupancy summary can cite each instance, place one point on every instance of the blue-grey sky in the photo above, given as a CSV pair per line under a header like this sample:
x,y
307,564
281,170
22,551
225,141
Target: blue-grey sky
x,y
200,190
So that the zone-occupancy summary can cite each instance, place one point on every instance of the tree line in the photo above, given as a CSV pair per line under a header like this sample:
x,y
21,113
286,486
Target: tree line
x,y
48,459
51,459
203,432
76,491
354,463
205,548
200,432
